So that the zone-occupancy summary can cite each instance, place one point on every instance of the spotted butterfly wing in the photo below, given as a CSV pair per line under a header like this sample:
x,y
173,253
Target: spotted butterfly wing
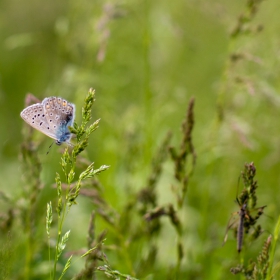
x,y
34,116
52,117
60,114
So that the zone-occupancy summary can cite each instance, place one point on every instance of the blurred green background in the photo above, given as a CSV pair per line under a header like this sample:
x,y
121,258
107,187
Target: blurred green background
x,y
146,59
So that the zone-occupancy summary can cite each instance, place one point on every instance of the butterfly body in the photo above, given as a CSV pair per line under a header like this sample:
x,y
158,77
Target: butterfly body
x,y
52,117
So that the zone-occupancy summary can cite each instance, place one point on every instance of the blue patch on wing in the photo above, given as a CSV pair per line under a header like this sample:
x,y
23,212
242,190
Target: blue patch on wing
x,y
63,134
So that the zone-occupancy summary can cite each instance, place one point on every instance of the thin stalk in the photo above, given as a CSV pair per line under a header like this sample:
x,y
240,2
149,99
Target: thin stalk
x,y
147,80
28,256
49,251
29,244
60,230
273,248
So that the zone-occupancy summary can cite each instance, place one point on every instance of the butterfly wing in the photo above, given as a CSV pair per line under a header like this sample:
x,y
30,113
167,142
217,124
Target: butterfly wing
x,y
60,114
34,115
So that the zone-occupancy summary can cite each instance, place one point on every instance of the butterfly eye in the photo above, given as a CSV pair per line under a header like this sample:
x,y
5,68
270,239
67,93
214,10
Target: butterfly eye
x,y
58,142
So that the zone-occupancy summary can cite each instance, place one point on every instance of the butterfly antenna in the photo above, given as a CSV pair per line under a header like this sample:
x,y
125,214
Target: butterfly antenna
x,y
49,148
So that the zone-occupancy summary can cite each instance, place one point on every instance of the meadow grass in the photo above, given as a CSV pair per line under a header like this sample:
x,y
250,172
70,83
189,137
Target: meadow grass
x,y
143,205
187,94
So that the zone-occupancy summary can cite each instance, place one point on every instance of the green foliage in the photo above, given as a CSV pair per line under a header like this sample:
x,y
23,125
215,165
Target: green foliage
x,y
187,92
49,218
67,200
67,265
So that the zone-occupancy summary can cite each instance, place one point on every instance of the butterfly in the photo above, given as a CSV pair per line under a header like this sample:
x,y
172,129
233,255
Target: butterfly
x,y
52,117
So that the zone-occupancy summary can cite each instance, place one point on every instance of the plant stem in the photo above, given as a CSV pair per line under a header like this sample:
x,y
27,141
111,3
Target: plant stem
x,y
61,221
